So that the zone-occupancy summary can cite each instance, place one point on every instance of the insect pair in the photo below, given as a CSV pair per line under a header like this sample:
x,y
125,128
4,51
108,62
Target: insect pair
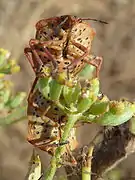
x,y
62,44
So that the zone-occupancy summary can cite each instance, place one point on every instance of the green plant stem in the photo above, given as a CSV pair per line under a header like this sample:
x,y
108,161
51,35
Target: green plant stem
x,y
55,161
86,167
86,175
16,115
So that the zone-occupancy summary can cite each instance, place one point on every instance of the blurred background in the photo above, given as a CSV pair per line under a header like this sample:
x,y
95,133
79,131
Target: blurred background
x,y
115,42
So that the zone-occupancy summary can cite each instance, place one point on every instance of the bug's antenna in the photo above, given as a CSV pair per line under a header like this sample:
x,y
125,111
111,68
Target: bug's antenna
x,y
92,19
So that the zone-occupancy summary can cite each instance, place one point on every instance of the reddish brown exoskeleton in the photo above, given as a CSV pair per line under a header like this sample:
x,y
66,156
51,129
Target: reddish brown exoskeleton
x,y
48,45
45,125
65,42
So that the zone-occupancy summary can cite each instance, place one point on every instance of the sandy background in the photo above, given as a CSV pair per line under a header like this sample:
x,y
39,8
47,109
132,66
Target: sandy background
x,y
115,42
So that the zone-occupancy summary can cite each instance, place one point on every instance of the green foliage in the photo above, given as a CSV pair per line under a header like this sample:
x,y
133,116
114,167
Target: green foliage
x,y
78,98
11,108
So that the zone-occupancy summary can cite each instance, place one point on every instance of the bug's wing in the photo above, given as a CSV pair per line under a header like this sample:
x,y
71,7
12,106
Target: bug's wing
x,y
41,130
83,34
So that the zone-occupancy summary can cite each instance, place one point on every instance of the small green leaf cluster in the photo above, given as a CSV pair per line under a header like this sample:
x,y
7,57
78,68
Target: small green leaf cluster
x,y
9,101
85,100
82,102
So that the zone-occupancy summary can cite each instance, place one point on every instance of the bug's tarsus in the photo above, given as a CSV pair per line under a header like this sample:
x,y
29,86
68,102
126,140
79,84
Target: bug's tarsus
x,y
33,51
47,54
63,143
28,50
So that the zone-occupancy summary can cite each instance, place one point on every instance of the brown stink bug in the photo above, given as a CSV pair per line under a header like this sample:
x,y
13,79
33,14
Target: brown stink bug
x,y
66,46
64,41
78,47
45,125
48,44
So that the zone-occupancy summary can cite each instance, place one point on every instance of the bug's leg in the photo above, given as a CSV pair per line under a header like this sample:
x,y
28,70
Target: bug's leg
x,y
73,160
97,62
49,148
32,90
47,54
84,49
27,52
70,162
53,44
81,47
35,105
47,120
60,127
47,143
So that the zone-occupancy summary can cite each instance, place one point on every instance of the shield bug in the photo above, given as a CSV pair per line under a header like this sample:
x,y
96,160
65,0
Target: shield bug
x,y
79,45
79,39
45,125
64,41
48,44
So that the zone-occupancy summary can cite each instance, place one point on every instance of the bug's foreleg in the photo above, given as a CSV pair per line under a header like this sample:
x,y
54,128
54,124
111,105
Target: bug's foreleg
x,y
32,90
27,52
47,54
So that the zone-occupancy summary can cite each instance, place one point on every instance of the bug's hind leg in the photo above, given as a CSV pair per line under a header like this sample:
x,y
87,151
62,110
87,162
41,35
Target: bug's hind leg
x,y
76,61
33,58
97,62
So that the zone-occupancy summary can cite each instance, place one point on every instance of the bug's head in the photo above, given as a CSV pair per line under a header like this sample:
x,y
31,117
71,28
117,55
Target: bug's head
x,y
67,21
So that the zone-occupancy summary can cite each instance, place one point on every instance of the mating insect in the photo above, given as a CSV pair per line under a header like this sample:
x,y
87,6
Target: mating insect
x,y
64,42
45,125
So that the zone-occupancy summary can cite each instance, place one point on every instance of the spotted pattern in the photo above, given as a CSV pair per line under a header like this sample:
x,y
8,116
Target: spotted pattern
x,y
62,33
81,34
45,128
